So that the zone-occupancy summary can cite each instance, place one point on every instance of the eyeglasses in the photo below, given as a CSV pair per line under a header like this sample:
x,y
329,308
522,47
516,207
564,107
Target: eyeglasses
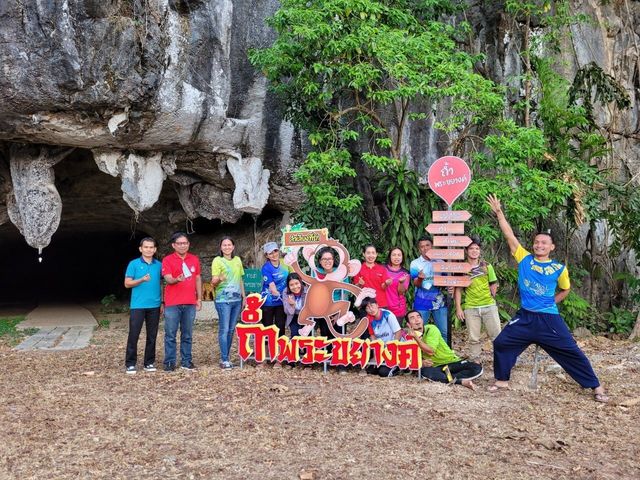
x,y
327,259
181,243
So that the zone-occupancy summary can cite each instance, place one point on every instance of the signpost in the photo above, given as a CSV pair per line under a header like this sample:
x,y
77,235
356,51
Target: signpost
x,y
451,267
450,216
446,254
252,279
459,241
441,281
449,177
439,228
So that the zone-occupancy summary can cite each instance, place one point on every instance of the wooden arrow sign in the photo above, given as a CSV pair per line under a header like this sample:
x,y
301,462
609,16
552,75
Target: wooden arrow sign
x,y
461,241
436,228
444,254
441,281
450,216
451,267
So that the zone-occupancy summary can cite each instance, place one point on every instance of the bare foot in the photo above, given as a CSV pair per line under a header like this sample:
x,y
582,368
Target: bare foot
x,y
498,385
468,383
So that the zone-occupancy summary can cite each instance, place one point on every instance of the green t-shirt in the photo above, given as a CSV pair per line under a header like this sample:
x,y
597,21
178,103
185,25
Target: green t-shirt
x,y
442,353
231,289
478,294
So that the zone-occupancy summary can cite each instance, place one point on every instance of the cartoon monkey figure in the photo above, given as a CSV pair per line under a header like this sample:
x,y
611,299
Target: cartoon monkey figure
x,y
319,303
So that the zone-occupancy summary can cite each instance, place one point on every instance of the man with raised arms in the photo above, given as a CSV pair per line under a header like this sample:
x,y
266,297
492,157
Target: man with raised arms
x,y
538,320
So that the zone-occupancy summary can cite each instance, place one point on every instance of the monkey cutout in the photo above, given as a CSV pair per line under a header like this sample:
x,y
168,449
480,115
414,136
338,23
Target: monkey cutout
x,y
319,303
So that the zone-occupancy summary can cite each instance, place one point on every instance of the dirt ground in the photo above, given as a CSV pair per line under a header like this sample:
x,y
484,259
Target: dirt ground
x,y
77,414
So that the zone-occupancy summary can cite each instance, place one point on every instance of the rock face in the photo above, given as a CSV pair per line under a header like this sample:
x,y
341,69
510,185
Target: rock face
x,y
154,89
160,95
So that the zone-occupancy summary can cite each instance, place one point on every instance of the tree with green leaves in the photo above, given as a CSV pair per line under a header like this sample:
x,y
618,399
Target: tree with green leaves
x,y
355,73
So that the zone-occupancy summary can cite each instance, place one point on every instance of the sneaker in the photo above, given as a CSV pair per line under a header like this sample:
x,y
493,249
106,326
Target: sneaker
x,y
150,368
169,367
131,369
226,365
188,366
393,372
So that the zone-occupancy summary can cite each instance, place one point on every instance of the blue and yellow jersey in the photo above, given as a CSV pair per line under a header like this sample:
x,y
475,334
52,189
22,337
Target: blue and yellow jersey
x,y
538,281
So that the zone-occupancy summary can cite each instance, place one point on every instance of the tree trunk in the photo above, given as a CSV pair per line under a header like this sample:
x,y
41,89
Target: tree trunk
x,y
635,333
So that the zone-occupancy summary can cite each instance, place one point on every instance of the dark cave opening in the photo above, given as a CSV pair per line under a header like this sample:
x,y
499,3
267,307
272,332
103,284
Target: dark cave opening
x,y
76,267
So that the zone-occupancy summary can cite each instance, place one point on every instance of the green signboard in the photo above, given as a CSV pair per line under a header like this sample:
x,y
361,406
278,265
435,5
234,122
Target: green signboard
x,y
252,280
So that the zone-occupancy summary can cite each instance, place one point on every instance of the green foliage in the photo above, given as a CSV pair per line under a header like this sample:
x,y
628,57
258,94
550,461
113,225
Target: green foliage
x,y
620,320
104,323
350,72
592,84
111,304
514,170
350,229
410,205
10,334
578,312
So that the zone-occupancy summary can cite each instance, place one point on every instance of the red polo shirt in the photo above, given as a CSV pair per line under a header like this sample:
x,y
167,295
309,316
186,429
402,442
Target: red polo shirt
x,y
184,292
373,277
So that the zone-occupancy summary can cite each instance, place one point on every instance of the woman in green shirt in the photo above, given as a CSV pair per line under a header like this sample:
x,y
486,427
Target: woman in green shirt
x,y
226,278
479,305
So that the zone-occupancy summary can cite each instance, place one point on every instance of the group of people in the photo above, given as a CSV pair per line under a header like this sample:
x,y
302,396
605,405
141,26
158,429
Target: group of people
x,y
537,321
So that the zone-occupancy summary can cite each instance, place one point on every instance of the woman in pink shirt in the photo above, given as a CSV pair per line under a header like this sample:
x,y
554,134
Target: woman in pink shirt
x,y
400,278
373,275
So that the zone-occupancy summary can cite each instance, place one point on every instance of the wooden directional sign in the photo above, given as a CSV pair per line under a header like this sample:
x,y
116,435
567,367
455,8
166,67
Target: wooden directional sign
x,y
450,215
446,254
460,241
436,228
451,267
441,281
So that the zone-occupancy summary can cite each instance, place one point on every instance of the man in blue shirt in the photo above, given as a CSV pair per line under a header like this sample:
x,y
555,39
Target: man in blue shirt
x,y
538,320
143,278
429,299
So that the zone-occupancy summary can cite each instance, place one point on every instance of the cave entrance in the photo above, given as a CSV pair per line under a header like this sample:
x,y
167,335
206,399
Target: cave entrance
x,y
76,267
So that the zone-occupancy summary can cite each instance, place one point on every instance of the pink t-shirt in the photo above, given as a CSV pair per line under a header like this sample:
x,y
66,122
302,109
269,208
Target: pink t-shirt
x,y
373,277
397,302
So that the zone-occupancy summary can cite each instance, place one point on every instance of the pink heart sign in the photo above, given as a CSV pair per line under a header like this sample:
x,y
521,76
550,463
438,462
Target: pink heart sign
x,y
449,177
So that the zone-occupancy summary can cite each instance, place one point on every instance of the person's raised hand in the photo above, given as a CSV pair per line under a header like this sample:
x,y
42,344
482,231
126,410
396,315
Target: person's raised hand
x,y
494,203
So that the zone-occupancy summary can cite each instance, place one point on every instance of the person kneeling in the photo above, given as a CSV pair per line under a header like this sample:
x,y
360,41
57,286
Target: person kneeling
x,y
442,364
383,325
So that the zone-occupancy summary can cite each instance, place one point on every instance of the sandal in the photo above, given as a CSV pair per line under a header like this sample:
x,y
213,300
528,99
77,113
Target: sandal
x,y
601,397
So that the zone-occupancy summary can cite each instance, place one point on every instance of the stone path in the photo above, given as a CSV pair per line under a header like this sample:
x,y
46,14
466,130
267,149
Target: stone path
x,y
60,327
58,338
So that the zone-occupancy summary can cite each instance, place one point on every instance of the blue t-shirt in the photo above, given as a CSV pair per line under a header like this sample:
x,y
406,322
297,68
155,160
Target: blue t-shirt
x,y
537,282
428,296
277,275
147,294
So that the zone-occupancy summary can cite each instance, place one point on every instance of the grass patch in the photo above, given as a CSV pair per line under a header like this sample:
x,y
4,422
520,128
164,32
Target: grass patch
x,y
104,323
9,335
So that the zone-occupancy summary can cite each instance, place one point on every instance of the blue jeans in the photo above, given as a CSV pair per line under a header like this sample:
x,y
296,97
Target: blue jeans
x,y
228,314
440,317
182,315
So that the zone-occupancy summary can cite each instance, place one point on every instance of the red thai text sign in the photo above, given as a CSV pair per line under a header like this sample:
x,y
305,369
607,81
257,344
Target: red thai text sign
x,y
344,351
